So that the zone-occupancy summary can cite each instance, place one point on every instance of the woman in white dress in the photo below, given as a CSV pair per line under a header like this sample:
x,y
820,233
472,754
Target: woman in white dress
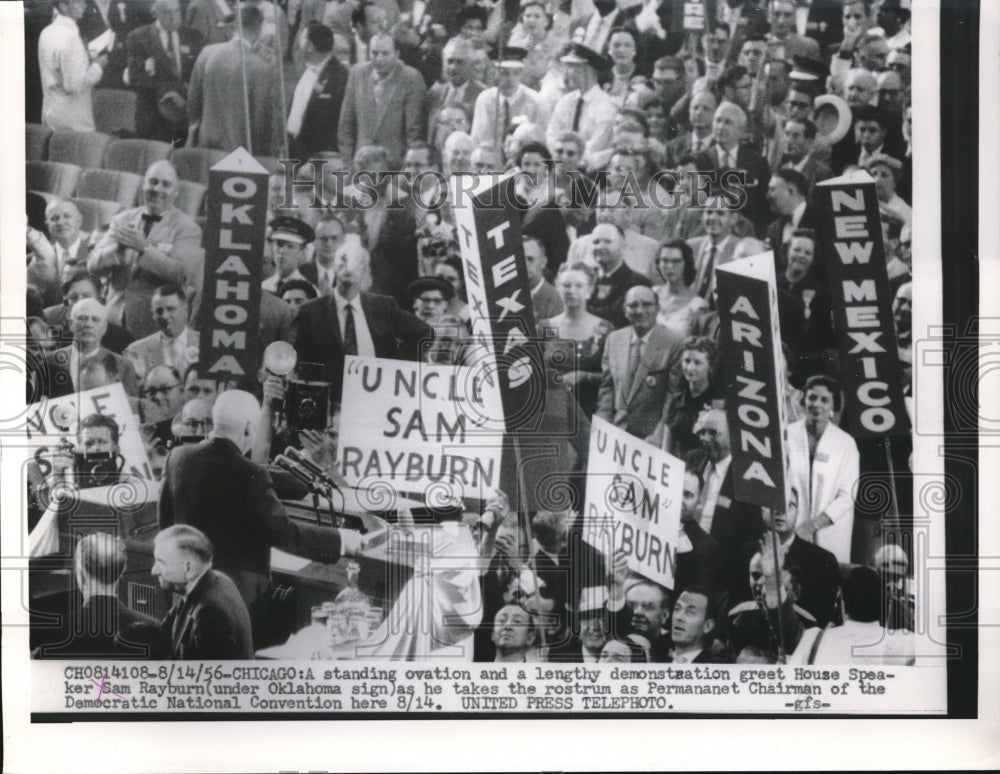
x,y
680,305
824,463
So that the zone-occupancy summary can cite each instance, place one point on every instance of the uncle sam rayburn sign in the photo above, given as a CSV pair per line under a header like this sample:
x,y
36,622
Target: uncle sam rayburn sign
x,y
633,501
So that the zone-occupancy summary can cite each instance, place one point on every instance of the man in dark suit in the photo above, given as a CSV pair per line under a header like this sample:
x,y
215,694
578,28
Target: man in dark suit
x,y
160,59
77,286
213,487
815,569
350,322
545,299
208,17
691,626
383,102
784,35
615,278
804,308
93,621
728,126
315,109
730,522
122,18
701,109
70,367
460,85
798,137
700,560
640,367
210,621
786,195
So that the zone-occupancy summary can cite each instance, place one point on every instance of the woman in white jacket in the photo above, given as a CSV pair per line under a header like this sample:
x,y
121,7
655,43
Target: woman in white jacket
x,y
824,462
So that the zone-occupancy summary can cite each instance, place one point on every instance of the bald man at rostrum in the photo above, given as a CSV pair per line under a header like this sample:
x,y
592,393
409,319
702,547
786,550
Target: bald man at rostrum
x,y
214,487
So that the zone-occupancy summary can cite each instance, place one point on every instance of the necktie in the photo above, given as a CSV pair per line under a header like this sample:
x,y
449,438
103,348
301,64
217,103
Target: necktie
x,y
505,118
633,364
709,470
706,281
578,113
350,334
172,52
148,219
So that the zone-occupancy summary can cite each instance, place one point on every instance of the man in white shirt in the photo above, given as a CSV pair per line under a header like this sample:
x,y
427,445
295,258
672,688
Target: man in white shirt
x,y
586,109
68,71
315,108
498,106
174,344
289,237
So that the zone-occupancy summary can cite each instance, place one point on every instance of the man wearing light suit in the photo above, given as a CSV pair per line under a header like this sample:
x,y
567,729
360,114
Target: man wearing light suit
x,y
715,248
174,344
383,102
146,247
640,366
209,18
160,59
215,97
349,322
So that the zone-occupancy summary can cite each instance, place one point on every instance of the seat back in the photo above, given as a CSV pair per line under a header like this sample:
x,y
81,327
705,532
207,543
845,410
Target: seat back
x,y
109,185
135,156
36,142
190,197
96,212
115,110
85,149
193,163
51,177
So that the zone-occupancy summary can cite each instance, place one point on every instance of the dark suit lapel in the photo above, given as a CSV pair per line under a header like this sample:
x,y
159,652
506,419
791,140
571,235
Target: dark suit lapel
x,y
330,315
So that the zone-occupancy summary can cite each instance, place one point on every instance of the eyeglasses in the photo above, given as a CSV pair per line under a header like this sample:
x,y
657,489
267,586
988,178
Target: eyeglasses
x,y
165,390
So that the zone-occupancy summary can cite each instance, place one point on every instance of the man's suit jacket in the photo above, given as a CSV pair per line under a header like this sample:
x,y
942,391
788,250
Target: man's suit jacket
x,y
100,627
204,16
704,565
319,122
211,622
317,336
733,523
390,234
609,295
59,382
177,258
814,171
847,151
723,255
213,487
678,148
123,18
757,177
144,44
215,98
546,302
147,353
393,121
439,91
637,407
816,569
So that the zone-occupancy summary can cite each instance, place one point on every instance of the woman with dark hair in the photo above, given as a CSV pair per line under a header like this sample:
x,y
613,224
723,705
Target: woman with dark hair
x,y
585,332
535,34
680,305
449,268
825,464
629,649
675,434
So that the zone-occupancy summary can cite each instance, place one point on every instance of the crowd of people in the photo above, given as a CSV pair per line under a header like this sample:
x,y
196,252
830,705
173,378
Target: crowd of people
x,y
622,128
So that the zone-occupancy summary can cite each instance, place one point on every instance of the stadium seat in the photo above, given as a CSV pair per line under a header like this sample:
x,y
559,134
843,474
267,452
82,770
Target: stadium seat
x,y
51,177
270,163
135,155
85,149
193,163
115,111
109,185
36,142
96,212
189,197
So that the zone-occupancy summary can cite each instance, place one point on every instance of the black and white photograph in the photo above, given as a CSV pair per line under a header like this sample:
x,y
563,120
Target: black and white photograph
x,y
420,371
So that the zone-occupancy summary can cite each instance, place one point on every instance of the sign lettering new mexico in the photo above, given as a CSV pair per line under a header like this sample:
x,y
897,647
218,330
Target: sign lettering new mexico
x,y
851,243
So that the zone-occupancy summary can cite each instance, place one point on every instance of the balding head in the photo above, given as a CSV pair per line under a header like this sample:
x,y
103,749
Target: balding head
x,y
88,320
351,266
860,88
159,187
234,417
100,562
641,308
458,153
63,220
606,245
728,125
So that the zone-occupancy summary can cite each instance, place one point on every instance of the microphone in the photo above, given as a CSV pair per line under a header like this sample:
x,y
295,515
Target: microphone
x,y
287,465
311,466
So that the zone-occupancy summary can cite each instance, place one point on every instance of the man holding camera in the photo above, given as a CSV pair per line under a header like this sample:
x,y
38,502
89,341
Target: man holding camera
x,y
214,487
